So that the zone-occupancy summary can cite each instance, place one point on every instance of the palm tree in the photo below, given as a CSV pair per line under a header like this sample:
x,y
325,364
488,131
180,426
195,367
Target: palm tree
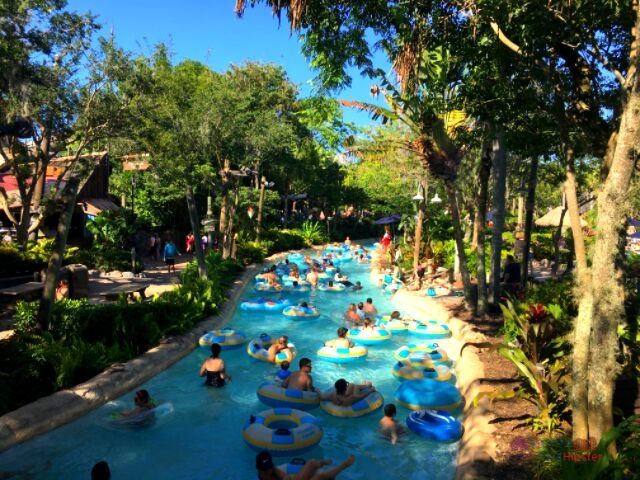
x,y
432,114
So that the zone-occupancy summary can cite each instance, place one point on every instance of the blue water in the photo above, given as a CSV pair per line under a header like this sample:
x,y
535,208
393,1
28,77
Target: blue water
x,y
202,438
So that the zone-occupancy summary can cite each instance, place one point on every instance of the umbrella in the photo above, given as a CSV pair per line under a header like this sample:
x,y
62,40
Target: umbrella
x,y
388,220
552,219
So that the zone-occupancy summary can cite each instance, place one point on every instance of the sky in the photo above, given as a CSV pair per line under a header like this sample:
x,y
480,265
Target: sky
x,y
210,32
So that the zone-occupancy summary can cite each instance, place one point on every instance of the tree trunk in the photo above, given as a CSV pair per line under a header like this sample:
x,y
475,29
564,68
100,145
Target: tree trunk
x,y
195,227
499,188
476,228
607,276
286,205
224,204
418,232
601,306
232,223
570,188
55,261
528,221
481,219
263,185
457,232
556,243
22,228
570,184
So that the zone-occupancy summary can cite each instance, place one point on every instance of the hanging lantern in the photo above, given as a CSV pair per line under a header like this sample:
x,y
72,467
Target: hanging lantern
x,y
322,217
250,212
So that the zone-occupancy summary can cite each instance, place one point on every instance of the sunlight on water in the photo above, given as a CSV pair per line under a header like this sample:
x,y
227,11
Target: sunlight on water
x,y
202,438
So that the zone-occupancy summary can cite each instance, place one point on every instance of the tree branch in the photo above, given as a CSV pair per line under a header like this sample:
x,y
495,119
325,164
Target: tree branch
x,y
505,40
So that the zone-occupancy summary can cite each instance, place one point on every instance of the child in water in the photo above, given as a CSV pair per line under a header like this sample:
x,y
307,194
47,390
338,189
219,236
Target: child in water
x,y
283,372
388,425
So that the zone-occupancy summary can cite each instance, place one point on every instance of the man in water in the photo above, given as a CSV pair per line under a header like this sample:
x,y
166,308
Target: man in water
x,y
369,309
301,380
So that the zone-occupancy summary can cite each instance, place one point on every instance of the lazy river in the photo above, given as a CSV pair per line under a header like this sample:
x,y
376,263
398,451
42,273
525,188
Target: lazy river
x,y
201,436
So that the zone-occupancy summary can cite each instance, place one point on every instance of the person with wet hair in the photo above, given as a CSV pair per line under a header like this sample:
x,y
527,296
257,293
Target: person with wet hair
x,y
342,341
310,471
346,394
213,368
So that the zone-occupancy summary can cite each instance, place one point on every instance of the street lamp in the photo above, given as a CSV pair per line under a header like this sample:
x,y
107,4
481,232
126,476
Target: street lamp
x,y
436,199
263,184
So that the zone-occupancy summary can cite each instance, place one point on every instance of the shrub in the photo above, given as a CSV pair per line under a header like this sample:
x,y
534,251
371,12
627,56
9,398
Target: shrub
x,y
284,240
251,252
313,233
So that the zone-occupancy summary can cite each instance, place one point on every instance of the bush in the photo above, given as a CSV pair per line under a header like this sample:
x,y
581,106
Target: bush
x,y
284,240
251,252
313,233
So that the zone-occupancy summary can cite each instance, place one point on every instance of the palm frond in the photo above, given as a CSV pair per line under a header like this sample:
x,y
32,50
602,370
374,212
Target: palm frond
x,y
375,111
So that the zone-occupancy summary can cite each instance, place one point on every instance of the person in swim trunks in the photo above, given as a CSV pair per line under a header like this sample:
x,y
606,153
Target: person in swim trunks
x,y
213,368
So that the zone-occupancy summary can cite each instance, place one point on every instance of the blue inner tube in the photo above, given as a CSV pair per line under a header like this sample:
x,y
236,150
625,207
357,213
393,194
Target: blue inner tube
x,y
435,425
428,394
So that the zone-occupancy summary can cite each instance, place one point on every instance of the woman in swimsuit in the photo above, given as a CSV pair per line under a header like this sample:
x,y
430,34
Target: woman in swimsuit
x,y
213,368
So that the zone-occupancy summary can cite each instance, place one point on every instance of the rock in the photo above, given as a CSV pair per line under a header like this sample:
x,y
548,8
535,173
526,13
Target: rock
x,y
115,274
128,275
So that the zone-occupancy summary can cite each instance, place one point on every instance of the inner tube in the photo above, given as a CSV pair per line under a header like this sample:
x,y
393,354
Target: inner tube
x,y
265,287
297,311
294,466
226,337
422,355
342,354
404,371
264,304
290,279
428,394
369,336
276,396
143,419
368,404
289,288
397,325
257,348
435,425
282,431
337,287
429,329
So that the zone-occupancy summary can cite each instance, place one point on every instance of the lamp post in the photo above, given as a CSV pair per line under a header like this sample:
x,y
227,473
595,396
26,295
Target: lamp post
x,y
419,199
263,184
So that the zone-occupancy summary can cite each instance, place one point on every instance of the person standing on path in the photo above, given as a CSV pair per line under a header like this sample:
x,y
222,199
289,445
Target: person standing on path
x,y
190,243
170,252
204,242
